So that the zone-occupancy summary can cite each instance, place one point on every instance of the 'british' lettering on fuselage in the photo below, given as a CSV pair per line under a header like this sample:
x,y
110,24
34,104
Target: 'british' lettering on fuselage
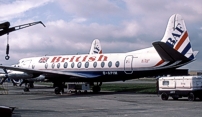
x,y
178,31
79,58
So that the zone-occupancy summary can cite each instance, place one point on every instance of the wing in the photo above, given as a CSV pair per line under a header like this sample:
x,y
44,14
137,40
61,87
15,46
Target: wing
x,y
49,72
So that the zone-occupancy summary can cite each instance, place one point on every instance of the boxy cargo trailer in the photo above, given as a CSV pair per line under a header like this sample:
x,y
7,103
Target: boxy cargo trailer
x,y
180,86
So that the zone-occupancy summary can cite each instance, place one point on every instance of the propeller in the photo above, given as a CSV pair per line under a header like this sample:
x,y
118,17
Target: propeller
x,y
6,77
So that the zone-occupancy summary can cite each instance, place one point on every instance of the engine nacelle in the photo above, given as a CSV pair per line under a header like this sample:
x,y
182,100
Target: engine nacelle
x,y
20,75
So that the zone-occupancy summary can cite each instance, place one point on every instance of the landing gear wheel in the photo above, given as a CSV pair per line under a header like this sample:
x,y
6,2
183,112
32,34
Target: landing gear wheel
x,y
57,90
191,97
26,89
31,85
164,96
96,89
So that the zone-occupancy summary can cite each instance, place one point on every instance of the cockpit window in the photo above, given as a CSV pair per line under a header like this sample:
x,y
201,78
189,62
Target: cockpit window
x,y
33,66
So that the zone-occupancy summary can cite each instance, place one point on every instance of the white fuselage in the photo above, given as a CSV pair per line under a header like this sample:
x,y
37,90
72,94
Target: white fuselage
x,y
144,59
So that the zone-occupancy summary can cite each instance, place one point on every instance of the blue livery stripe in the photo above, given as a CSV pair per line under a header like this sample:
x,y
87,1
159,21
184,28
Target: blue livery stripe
x,y
186,49
191,57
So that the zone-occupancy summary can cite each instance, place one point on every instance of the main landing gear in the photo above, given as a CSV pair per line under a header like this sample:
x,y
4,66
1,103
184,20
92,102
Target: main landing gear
x,y
59,87
96,87
28,85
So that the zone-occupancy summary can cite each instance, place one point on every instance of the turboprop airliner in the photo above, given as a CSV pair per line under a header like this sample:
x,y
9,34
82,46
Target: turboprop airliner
x,y
173,51
18,77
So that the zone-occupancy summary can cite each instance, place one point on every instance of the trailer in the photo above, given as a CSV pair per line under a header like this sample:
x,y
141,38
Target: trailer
x,y
180,86
77,88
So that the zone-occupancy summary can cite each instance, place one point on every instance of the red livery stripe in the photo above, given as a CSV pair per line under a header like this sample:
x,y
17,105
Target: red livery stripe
x,y
159,63
181,40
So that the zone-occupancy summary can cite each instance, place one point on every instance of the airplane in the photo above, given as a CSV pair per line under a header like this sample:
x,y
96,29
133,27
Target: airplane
x,y
4,29
173,51
18,77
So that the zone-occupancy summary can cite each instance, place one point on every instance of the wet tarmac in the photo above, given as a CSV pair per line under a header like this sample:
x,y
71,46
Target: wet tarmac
x,y
42,102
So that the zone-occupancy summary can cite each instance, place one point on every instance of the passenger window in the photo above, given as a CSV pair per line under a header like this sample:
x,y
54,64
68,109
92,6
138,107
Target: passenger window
x,y
58,65
95,64
117,64
102,64
72,65
46,65
79,65
165,82
53,65
33,66
86,64
110,64
65,65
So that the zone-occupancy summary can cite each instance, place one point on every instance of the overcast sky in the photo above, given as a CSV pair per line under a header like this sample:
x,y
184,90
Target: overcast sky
x,y
72,25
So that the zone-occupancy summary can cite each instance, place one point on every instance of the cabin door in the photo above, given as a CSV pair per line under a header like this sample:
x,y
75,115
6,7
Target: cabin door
x,y
128,64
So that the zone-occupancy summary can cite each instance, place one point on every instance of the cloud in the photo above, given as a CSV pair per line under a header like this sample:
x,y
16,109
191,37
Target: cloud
x,y
17,8
71,26
90,8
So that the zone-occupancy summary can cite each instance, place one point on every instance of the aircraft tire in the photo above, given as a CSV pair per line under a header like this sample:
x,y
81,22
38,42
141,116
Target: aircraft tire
x,y
57,90
96,89
26,89
200,97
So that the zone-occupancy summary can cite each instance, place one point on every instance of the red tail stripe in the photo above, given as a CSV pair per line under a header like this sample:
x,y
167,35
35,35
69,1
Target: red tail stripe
x,y
159,63
181,40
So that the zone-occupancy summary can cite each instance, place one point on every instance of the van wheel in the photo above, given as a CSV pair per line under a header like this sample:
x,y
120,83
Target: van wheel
x,y
200,98
191,97
164,96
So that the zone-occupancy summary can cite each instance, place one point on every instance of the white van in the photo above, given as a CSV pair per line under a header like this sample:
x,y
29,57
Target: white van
x,y
180,86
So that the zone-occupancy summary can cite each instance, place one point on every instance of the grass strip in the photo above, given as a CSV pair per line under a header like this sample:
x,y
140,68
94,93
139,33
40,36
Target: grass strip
x,y
148,88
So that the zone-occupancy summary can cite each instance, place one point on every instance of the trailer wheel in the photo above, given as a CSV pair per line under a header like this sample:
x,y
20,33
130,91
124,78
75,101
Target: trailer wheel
x,y
164,96
191,97
200,98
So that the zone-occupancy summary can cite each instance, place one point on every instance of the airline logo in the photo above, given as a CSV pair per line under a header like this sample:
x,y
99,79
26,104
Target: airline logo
x,y
97,50
79,58
43,60
176,34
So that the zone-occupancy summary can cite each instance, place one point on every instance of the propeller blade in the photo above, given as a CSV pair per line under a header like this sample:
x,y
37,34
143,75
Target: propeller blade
x,y
4,78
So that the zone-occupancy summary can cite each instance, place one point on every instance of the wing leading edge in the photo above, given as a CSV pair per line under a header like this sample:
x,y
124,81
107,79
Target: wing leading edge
x,y
48,72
